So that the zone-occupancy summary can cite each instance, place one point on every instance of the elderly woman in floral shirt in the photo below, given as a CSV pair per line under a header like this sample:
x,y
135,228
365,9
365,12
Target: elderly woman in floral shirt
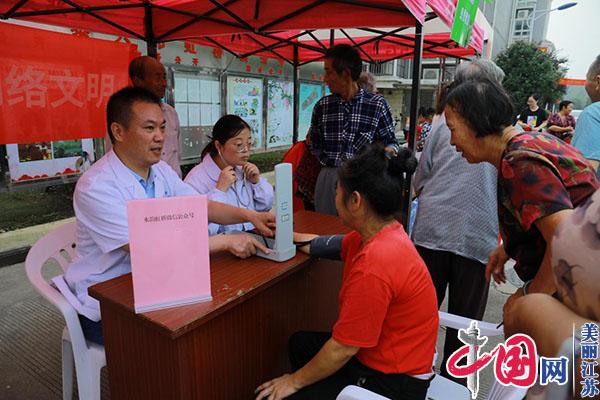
x,y
540,178
562,124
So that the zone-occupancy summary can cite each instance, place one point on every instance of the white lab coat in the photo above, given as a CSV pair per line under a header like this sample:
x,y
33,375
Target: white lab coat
x,y
100,203
170,152
244,194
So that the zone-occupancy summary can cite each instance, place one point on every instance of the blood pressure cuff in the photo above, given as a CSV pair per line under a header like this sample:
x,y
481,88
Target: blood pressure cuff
x,y
327,247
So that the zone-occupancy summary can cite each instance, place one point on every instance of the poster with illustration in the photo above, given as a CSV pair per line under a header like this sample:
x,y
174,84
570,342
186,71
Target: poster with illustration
x,y
245,99
310,94
42,160
280,113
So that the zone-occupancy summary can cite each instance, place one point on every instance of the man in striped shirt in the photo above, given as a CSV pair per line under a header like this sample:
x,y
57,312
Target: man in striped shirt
x,y
346,121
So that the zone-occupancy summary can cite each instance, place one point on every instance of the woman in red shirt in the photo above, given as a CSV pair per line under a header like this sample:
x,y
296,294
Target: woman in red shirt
x,y
385,335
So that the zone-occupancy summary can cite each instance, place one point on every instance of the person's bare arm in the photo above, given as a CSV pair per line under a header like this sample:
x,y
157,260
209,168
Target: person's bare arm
x,y
332,356
544,281
240,245
224,214
545,319
558,129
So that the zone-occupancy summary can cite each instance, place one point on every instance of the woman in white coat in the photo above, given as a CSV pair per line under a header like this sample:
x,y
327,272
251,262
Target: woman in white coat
x,y
225,174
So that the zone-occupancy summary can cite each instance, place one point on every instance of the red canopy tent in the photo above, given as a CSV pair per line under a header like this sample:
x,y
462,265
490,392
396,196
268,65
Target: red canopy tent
x,y
166,20
382,47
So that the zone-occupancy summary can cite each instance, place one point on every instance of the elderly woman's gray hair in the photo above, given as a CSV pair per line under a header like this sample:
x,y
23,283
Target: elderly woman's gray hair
x,y
478,69
367,82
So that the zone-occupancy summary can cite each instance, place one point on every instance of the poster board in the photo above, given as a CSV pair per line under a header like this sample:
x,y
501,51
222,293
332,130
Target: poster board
x,y
197,100
43,160
310,94
245,99
280,113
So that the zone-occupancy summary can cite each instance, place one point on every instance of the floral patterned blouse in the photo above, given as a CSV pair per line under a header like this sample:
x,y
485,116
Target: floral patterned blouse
x,y
539,176
556,120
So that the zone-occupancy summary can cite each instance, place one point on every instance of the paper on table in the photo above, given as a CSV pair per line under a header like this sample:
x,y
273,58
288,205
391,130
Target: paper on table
x,y
182,113
168,240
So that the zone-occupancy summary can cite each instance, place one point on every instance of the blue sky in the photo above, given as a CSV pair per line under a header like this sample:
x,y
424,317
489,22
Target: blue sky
x,y
576,34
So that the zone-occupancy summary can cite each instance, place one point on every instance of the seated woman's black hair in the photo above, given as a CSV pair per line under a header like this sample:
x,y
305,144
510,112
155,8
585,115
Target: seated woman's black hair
x,y
378,177
227,127
484,104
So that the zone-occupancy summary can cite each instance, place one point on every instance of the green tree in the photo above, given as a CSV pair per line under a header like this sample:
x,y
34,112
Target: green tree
x,y
529,70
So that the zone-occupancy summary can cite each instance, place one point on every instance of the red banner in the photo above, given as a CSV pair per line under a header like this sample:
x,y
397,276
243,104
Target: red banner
x,y
54,86
572,82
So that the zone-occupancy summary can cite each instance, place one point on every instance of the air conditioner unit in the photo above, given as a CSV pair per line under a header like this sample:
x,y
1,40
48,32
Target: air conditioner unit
x,y
431,74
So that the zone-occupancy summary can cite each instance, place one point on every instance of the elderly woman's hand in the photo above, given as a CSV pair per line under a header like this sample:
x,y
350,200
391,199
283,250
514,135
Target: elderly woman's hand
x,y
278,388
495,265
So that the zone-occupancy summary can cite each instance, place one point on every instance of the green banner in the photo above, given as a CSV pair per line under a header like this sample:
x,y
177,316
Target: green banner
x,y
463,21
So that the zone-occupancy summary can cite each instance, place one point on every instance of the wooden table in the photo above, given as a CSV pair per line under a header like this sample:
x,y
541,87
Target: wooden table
x,y
225,348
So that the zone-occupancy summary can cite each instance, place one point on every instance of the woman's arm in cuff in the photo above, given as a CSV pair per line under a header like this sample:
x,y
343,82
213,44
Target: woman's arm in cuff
x,y
327,247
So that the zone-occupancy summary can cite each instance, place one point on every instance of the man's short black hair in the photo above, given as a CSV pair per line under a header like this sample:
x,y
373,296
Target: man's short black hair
x,y
484,104
120,106
344,56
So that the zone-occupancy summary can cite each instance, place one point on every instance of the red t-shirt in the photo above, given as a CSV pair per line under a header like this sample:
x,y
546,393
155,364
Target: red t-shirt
x,y
293,156
388,305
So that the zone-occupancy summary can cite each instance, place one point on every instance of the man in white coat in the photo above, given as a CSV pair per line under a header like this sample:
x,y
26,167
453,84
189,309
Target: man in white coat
x,y
132,170
148,73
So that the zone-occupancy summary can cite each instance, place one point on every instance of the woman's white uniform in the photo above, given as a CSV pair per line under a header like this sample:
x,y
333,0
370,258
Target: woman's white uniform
x,y
244,194
100,203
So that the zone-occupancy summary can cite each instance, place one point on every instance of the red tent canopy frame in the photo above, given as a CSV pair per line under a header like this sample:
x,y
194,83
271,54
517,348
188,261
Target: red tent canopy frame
x,y
271,25
167,20
382,47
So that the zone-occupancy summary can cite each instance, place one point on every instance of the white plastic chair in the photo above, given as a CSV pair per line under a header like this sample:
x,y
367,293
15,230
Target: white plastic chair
x,y
89,357
352,392
440,387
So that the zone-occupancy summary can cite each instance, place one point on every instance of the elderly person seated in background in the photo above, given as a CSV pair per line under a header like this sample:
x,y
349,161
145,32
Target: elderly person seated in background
x,y
540,178
533,118
562,124
384,338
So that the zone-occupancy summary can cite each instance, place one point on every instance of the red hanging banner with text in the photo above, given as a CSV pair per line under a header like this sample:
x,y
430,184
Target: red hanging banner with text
x,y
55,86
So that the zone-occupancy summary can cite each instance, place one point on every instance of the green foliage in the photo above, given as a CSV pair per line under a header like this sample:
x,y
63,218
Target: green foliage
x,y
266,161
529,71
27,207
